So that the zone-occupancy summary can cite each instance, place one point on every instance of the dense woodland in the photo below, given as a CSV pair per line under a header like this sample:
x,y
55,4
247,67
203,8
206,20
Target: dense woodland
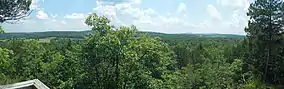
x,y
122,58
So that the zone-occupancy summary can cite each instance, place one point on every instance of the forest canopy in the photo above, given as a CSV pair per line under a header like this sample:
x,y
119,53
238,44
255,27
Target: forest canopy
x,y
121,57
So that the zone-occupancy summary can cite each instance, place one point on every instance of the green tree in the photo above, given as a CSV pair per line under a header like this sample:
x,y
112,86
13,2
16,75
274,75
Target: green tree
x,y
6,66
205,72
98,23
118,58
62,65
183,54
264,33
12,10
27,57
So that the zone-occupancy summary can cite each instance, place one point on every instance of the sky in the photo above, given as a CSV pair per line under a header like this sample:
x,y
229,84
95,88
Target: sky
x,y
166,16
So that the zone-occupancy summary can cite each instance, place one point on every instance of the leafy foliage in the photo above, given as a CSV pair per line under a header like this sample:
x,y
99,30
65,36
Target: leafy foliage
x,y
110,57
265,31
119,59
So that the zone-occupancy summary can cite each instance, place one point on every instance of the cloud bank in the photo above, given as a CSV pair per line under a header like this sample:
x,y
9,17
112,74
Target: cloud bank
x,y
223,16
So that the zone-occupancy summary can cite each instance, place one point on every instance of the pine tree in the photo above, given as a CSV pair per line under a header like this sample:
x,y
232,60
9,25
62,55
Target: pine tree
x,y
264,31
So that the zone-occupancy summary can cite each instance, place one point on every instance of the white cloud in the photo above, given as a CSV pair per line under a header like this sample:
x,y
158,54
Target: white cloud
x,y
145,19
213,12
111,2
238,19
128,12
34,4
243,4
136,1
66,25
75,16
234,24
63,22
41,15
181,8
46,25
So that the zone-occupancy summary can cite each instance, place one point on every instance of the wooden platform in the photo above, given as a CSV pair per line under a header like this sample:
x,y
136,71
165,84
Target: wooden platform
x,y
31,84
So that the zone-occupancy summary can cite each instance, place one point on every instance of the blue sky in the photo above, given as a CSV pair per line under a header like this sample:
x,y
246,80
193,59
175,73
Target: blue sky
x,y
167,16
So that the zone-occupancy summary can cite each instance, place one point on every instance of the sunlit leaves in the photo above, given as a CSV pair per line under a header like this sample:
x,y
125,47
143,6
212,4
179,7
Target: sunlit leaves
x,y
6,62
98,23
122,59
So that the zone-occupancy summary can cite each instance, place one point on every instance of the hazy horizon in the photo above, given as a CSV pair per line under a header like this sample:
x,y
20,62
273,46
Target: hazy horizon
x,y
138,30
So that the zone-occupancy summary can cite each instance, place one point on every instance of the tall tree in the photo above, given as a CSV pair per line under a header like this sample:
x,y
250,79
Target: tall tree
x,y
6,67
119,59
61,67
264,31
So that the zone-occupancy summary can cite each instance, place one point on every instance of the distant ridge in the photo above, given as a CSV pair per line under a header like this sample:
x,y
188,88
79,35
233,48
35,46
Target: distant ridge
x,y
81,34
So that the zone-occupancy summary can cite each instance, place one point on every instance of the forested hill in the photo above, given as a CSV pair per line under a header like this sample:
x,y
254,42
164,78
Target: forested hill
x,y
41,35
81,34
